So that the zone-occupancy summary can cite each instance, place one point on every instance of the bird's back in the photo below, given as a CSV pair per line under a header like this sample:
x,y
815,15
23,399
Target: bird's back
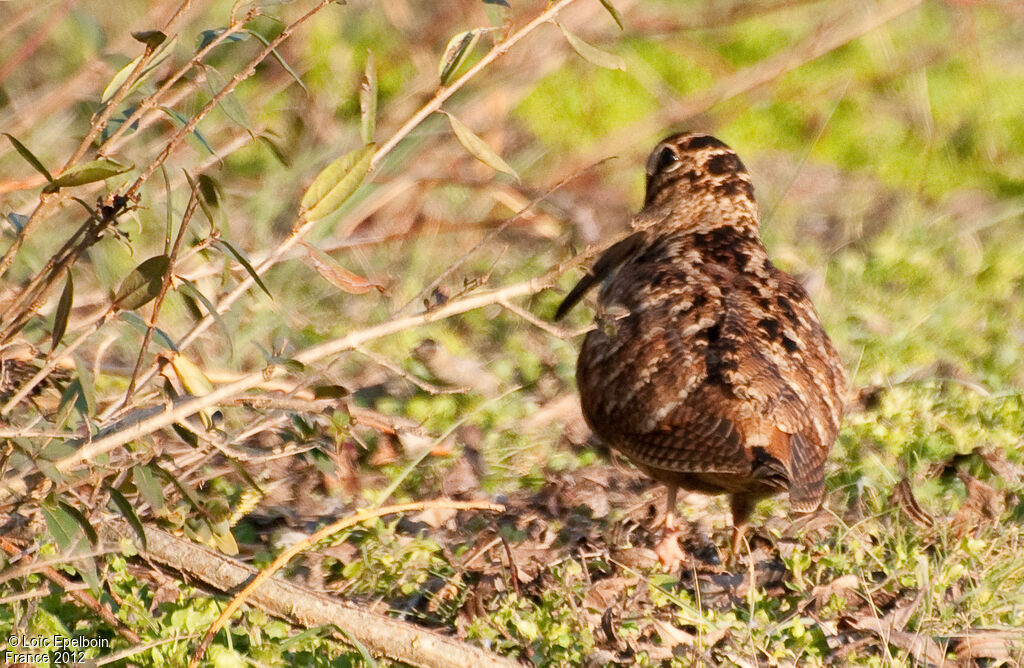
x,y
709,367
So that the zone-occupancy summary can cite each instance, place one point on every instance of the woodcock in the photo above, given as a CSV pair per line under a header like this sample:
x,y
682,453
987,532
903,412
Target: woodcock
x,y
708,366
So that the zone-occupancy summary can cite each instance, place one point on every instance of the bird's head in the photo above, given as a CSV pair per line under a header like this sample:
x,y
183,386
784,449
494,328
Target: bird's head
x,y
690,166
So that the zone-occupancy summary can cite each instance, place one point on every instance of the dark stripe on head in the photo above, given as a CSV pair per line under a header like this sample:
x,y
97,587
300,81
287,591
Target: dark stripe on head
x,y
725,163
703,141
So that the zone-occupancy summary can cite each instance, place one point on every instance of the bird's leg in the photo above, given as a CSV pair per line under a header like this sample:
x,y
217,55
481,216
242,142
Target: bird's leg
x,y
668,550
740,511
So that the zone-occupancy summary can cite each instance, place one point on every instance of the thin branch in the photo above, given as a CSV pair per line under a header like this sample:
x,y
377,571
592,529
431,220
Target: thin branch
x,y
83,597
499,49
153,101
190,209
553,330
175,411
303,226
314,538
246,72
392,638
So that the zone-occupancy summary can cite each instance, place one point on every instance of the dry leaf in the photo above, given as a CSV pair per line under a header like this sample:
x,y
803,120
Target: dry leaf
x,y
339,276
903,495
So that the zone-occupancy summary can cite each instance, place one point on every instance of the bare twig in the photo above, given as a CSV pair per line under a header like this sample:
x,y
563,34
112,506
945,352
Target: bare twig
x,y
178,410
83,597
326,532
382,635
303,226
190,209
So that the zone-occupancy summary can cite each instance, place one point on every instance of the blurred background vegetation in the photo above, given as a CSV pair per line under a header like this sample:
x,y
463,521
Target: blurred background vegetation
x,y
884,139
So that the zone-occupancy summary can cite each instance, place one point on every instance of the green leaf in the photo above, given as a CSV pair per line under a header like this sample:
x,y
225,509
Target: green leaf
x,y
191,376
122,74
82,521
477,148
368,99
458,50
90,172
208,36
143,284
281,61
128,512
27,154
140,326
330,392
60,317
151,38
244,261
61,524
181,121
614,12
87,383
229,104
119,78
186,434
593,54
189,288
336,183
149,486
209,189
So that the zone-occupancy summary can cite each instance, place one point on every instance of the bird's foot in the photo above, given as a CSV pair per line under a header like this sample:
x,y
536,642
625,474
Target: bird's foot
x,y
670,554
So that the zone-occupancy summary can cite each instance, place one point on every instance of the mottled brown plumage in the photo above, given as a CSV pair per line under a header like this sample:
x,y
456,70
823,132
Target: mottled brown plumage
x,y
708,367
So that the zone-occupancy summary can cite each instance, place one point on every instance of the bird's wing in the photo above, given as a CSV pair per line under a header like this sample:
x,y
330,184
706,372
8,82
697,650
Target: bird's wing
x,y
609,261
779,361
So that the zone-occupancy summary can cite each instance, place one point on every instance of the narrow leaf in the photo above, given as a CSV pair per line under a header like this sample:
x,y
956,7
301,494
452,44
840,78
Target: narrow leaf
x,y
477,148
281,156
593,54
17,221
119,78
191,376
143,284
82,521
140,326
149,486
27,154
181,122
229,104
90,172
458,50
244,261
190,289
368,99
151,38
87,383
60,318
128,512
614,12
181,487
186,434
62,526
281,61
208,36
336,183
339,276
158,57
330,392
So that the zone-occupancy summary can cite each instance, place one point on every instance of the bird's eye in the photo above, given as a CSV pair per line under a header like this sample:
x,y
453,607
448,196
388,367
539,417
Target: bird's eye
x,y
664,160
